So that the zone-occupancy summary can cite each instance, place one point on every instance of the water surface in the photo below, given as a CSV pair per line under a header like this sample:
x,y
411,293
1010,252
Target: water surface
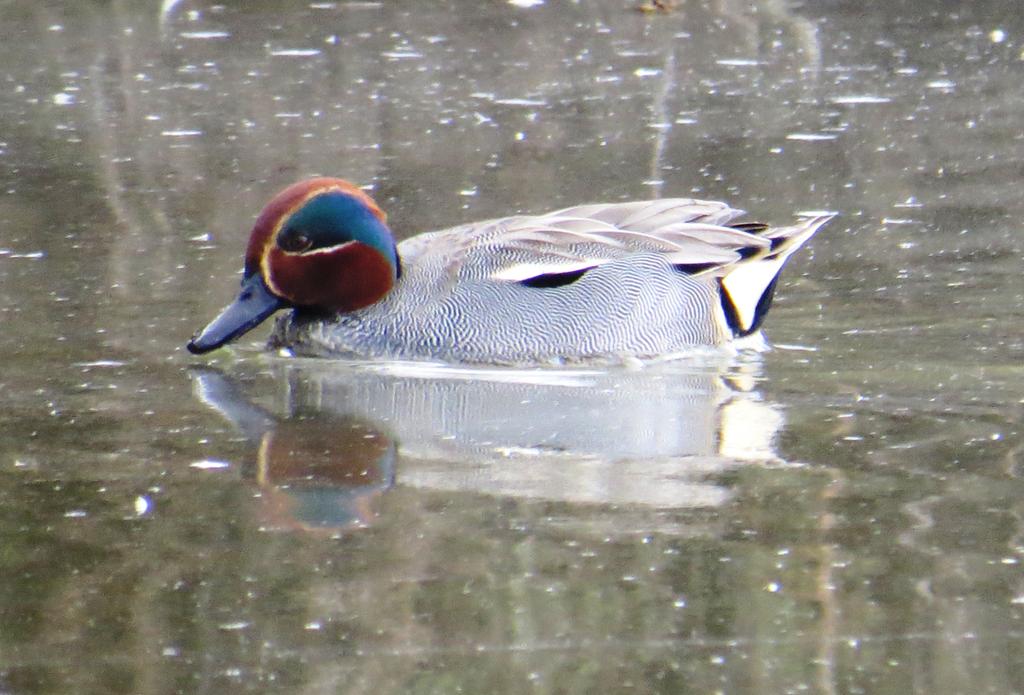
x,y
841,514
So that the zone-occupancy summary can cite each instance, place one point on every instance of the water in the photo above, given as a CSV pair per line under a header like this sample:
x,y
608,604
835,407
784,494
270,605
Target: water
x,y
841,515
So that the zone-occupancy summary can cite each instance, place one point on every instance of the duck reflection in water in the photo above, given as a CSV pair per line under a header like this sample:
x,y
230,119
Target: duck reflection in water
x,y
319,473
657,438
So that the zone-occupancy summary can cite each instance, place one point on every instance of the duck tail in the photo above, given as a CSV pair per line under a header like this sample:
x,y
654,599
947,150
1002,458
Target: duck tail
x,y
748,287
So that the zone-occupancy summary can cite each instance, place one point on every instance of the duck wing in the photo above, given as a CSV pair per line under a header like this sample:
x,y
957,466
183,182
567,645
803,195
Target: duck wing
x,y
691,234
547,250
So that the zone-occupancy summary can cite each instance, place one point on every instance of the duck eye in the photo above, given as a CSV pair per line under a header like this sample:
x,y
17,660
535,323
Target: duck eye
x,y
293,242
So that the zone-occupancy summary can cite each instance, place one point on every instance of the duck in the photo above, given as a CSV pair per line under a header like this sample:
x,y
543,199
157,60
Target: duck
x,y
600,281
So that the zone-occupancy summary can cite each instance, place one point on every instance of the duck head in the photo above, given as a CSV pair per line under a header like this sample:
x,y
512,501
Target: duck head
x,y
320,244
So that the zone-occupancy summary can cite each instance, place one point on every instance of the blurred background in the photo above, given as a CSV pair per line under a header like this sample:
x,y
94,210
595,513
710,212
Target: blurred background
x,y
840,515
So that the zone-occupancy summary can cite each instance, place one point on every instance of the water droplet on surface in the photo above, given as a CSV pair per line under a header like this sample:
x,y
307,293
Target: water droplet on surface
x,y
295,52
209,465
859,99
810,137
205,35
233,626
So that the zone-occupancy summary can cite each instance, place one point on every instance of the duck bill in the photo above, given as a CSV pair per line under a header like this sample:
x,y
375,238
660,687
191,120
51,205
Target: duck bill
x,y
254,304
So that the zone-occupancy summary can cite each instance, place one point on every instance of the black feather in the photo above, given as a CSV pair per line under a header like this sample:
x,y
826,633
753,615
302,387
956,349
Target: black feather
x,y
548,280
